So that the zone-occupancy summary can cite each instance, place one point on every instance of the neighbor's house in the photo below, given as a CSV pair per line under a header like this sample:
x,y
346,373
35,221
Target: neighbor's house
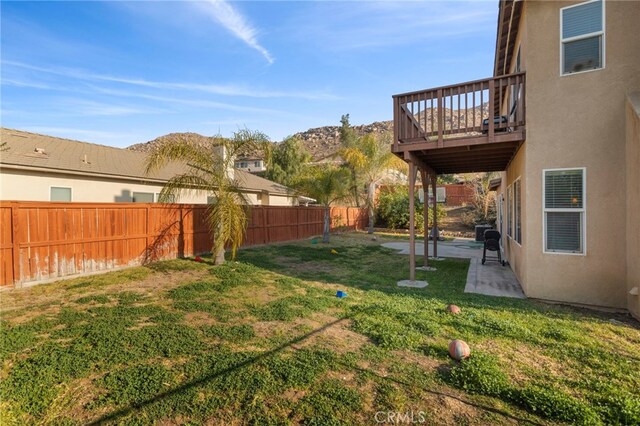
x,y
250,164
45,168
564,103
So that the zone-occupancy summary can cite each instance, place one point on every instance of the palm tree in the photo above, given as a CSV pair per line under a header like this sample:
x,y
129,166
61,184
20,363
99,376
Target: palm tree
x,y
327,185
209,170
348,140
371,158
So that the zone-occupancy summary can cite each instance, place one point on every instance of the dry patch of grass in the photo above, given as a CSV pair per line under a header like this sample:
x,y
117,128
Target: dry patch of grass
x,y
265,341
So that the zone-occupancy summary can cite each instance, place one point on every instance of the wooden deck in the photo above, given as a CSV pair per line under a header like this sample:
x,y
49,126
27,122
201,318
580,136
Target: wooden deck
x,y
476,126
448,129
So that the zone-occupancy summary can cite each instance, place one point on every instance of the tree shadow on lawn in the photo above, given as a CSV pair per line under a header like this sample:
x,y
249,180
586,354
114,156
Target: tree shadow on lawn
x,y
200,382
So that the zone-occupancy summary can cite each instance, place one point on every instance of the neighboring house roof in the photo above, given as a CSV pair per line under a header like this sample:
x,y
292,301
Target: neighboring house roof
x,y
58,155
494,184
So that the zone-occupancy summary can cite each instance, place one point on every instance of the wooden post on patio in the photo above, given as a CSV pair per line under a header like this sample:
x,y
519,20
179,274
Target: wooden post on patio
x,y
434,179
412,222
425,212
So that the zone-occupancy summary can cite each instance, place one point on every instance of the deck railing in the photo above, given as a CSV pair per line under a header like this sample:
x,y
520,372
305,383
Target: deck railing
x,y
461,111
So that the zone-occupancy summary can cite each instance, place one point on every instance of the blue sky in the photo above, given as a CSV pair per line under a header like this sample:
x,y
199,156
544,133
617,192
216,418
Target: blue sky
x,y
119,73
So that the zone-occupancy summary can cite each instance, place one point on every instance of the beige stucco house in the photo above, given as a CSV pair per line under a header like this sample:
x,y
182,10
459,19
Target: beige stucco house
x,y
44,168
250,164
565,135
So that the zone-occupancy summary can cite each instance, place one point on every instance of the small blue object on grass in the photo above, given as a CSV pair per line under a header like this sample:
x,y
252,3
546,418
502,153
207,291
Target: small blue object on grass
x,y
314,241
340,294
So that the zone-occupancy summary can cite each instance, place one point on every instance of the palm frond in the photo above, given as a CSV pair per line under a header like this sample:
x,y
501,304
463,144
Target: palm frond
x,y
180,150
185,183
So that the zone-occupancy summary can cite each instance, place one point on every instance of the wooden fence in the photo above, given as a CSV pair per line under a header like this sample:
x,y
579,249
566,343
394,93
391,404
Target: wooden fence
x,y
458,195
43,241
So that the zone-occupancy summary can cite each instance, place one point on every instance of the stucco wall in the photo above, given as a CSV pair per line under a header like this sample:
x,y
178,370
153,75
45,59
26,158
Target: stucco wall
x,y
35,186
579,121
515,252
633,200
280,200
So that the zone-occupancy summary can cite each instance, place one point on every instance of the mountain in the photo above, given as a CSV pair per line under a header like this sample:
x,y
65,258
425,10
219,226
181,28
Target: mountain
x,y
323,142
149,146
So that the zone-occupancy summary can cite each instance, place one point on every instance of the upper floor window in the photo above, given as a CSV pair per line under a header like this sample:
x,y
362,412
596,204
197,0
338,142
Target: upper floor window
x,y
582,37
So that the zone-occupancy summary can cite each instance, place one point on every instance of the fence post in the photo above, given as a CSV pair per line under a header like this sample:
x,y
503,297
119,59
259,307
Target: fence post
x,y
15,245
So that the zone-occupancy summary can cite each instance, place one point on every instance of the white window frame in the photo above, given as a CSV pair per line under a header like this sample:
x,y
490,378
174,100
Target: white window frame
x,y
583,211
583,36
515,213
63,187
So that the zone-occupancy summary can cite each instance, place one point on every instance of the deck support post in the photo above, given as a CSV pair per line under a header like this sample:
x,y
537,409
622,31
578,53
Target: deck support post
x,y
434,179
425,212
412,221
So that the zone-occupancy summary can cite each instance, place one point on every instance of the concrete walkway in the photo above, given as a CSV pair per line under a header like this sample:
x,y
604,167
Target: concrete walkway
x,y
491,278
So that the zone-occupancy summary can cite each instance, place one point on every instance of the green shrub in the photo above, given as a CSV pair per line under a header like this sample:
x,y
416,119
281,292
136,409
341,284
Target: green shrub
x,y
393,210
480,374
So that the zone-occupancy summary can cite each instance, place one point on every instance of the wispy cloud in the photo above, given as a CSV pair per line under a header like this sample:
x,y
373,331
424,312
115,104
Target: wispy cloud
x,y
73,133
25,83
209,88
354,26
230,18
198,103
83,107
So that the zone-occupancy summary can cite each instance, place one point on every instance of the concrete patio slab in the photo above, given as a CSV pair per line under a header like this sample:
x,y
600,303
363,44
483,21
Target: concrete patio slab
x,y
491,279
414,283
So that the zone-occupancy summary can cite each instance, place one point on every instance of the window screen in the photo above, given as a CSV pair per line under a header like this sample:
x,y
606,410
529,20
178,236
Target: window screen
x,y
143,197
564,210
60,194
582,37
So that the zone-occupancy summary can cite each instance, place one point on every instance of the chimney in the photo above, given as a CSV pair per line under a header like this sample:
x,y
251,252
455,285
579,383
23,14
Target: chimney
x,y
220,151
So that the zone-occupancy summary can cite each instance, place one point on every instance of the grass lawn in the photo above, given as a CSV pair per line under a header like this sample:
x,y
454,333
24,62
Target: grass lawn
x,y
265,341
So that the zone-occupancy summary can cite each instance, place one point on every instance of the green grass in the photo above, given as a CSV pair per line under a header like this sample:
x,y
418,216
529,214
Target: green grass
x,y
265,341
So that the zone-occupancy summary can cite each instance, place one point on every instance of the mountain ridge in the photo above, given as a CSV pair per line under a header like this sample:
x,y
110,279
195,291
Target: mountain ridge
x,y
323,142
